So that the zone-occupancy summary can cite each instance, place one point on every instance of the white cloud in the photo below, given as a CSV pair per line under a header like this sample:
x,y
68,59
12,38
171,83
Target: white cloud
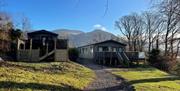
x,y
99,27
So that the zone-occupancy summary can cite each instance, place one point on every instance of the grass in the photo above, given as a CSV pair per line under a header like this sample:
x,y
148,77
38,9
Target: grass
x,y
149,79
58,76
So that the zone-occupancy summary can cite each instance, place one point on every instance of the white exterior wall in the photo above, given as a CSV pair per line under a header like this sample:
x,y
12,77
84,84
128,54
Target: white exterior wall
x,y
86,52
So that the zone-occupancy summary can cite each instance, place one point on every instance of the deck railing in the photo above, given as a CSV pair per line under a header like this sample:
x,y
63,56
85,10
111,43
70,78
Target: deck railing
x,y
117,57
130,55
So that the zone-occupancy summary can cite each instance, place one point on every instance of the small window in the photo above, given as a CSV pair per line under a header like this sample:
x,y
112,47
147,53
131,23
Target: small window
x,y
100,49
86,49
91,48
44,41
21,46
120,50
114,49
82,50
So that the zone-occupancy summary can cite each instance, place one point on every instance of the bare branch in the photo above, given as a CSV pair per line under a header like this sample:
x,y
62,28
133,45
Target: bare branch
x,y
106,8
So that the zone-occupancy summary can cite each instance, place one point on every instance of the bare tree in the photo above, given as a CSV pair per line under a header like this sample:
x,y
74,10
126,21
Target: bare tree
x,y
26,25
132,27
153,23
124,24
171,12
5,25
138,33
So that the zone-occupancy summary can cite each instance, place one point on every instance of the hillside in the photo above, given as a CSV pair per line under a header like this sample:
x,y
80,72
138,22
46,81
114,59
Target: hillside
x,y
54,76
66,33
79,38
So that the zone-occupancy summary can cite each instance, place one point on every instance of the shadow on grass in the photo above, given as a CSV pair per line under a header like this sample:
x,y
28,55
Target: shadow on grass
x,y
35,86
138,69
154,80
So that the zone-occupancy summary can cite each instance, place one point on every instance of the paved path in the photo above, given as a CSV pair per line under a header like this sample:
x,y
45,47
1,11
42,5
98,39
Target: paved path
x,y
105,81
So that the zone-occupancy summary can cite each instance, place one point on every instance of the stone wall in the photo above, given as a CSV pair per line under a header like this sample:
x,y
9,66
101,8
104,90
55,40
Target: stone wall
x,y
61,55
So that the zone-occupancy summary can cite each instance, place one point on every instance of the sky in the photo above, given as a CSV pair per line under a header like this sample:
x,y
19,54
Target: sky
x,y
84,15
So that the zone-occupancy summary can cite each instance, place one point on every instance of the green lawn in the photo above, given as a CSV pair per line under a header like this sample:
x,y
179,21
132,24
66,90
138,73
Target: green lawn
x,y
63,76
149,79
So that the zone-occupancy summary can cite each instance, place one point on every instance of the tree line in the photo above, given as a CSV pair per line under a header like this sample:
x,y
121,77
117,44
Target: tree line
x,y
10,30
153,29
156,31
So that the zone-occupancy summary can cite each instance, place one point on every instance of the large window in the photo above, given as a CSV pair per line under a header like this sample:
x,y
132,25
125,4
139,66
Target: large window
x,y
105,49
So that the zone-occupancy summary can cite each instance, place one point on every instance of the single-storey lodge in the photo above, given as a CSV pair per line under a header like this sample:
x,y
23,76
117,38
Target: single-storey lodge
x,y
109,52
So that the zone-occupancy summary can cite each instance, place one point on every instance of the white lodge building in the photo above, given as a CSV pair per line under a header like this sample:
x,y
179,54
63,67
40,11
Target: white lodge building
x,y
89,51
109,52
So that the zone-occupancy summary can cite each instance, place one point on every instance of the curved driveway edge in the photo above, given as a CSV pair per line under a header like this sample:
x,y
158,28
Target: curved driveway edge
x,y
105,80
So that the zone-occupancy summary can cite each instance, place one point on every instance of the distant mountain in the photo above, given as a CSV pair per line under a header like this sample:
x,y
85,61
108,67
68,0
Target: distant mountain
x,y
78,38
92,37
66,33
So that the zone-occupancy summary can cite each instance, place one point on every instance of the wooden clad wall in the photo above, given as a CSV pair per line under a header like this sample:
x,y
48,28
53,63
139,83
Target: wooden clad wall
x,y
61,55
27,55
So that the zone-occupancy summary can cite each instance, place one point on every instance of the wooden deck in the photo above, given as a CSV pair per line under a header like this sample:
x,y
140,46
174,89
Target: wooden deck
x,y
116,58
106,58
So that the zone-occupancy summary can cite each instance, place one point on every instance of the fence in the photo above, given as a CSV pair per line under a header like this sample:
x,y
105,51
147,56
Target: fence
x,y
28,56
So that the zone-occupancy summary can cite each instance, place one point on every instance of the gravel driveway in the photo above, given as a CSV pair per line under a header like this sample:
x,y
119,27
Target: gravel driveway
x,y
105,81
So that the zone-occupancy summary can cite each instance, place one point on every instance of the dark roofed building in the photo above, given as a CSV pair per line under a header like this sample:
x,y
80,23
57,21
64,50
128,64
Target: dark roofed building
x,y
89,51
42,33
109,52
43,45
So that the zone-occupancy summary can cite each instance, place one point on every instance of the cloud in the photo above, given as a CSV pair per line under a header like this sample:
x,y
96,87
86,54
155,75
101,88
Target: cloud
x,y
99,27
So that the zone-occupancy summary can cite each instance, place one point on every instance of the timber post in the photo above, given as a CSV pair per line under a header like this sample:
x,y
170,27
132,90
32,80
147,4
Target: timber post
x,y
98,59
47,48
111,59
30,51
55,42
103,58
115,63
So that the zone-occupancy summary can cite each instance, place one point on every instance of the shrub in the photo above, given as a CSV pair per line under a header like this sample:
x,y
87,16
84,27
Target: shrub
x,y
177,69
162,62
154,55
165,63
73,54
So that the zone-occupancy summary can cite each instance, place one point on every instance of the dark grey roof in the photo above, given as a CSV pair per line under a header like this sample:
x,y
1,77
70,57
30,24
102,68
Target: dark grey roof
x,y
105,42
42,32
